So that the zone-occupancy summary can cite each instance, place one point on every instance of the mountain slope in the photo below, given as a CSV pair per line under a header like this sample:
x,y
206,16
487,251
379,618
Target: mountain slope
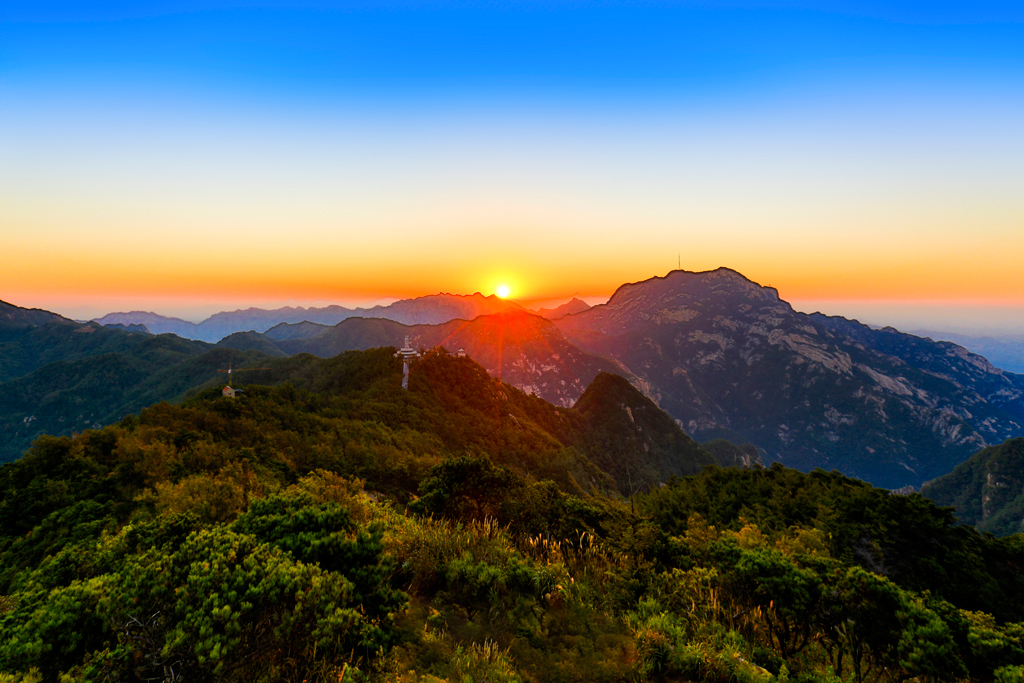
x,y
1006,352
987,490
32,338
233,540
16,315
727,357
154,322
524,350
632,439
69,396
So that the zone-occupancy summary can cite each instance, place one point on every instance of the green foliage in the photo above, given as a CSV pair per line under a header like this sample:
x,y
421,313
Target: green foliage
x,y
905,538
629,437
235,608
325,535
339,529
52,630
987,490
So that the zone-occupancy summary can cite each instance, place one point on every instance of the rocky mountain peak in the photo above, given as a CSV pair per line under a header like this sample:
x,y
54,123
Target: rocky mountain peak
x,y
680,297
727,357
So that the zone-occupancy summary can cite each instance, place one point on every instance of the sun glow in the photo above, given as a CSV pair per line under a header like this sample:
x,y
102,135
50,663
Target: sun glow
x,y
502,291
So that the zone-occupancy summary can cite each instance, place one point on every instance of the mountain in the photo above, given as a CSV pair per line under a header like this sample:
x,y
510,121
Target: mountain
x,y
729,454
987,490
429,310
251,341
522,349
69,396
337,527
31,339
16,315
154,323
632,439
727,357
303,330
133,327
1006,352
440,308
59,377
568,308
723,356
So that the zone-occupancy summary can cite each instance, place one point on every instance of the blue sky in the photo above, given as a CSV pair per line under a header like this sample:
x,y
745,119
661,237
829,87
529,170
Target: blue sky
x,y
325,51
838,151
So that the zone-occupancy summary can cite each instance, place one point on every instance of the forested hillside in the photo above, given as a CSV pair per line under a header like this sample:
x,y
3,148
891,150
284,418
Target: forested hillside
x,y
334,527
987,490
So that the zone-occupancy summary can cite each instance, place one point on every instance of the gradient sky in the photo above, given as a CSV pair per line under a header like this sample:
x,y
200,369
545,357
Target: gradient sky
x,y
187,157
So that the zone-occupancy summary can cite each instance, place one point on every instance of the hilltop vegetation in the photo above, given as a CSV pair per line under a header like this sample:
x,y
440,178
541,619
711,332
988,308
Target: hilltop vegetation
x,y
333,527
986,490
124,373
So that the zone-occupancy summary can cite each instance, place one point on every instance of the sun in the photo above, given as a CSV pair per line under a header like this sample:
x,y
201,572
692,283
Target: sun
x,y
503,291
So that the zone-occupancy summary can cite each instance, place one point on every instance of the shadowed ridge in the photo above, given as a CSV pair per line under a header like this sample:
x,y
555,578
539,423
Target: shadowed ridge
x,y
987,489
632,439
9,313
251,341
303,330
570,307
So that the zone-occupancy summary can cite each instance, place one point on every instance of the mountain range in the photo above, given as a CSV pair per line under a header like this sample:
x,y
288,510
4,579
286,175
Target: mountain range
x,y
727,358
525,350
723,356
1006,352
429,310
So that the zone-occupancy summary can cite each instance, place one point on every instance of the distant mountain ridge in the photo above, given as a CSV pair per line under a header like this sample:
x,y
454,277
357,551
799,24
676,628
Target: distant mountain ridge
x,y
727,358
1005,352
722,355
425,310
570,307
16,315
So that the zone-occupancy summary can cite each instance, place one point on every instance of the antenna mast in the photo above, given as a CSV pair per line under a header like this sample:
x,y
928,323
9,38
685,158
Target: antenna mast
x,y
229,391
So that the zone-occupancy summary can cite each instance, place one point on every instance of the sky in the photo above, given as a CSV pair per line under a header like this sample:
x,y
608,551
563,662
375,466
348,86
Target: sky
x,y
863,158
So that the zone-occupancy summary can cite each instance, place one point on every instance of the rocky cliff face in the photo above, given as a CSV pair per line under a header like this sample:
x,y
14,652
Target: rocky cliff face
x,y
727,357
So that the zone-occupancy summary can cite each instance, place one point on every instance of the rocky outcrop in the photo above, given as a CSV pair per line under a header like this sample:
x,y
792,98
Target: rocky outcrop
x,y
727,357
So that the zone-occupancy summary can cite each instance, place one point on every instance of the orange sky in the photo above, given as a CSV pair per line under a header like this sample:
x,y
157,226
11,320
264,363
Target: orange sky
x,y
177,266
852,167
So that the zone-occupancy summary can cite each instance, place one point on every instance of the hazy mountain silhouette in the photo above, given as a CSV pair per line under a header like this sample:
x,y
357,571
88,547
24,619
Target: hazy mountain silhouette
x,y
429,310
568,308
